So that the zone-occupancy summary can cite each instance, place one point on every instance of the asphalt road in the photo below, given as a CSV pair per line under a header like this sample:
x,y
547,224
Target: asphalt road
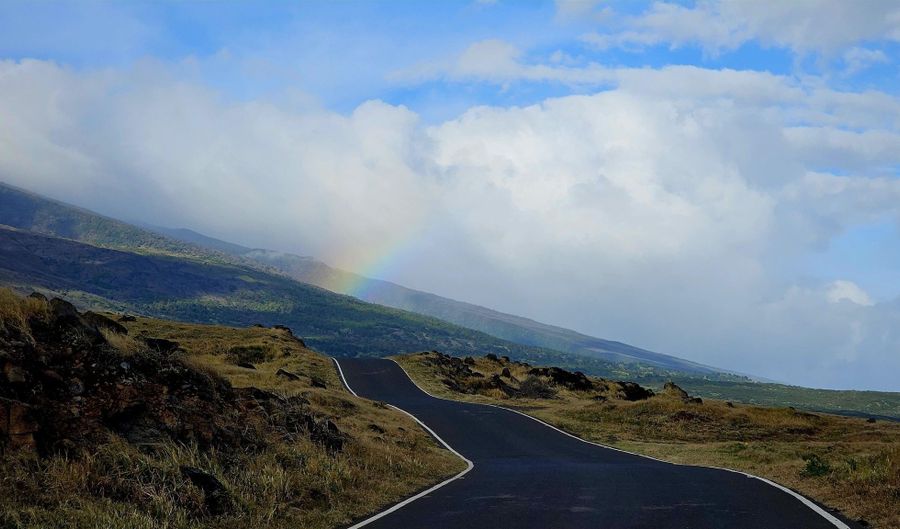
x,y
529,476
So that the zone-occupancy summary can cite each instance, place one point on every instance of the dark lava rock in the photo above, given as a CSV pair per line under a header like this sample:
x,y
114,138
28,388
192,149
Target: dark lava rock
x,y
317,382
125,318
17,426
633,391
492,357
160,345
37,295
576,381
100,321
496,382
246,365
76,391
505,373
217,499
284,373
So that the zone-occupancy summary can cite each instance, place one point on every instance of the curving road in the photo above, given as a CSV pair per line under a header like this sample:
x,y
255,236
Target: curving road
x,y
527,475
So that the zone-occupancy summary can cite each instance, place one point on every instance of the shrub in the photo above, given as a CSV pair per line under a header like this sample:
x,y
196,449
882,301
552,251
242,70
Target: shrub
x,y
249,353
535,388
815,465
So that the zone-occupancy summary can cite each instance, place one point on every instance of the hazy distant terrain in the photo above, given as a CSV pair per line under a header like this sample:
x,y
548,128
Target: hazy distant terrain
x,y
507,326
102,262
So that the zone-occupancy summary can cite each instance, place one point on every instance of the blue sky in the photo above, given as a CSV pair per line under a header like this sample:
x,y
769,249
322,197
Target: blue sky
x,y
345,52
716,180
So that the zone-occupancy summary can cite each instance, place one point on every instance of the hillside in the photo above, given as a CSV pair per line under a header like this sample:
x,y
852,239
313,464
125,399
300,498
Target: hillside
x,y
32,213
206,292
506,326
248,286
103,425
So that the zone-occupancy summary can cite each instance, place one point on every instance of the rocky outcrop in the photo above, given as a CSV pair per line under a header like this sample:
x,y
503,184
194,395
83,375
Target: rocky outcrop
x,y
18,426
499,374
576,381
64,388
101,322
673,390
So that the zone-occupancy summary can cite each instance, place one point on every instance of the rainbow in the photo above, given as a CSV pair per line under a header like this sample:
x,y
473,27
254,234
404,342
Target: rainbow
x,y
383,263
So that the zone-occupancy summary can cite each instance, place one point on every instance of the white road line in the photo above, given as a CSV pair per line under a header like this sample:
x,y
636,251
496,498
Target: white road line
x,y
469,465
803,499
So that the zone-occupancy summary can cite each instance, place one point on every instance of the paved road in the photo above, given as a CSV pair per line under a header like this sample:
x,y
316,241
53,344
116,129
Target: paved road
x,y
529,476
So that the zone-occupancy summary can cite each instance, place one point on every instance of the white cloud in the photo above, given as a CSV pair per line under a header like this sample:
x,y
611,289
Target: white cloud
x,y
802,26
499,62
665,211
857,59
569,9
842,290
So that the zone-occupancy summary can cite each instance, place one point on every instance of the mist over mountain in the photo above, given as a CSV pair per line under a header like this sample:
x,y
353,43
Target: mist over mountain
x,y
714,181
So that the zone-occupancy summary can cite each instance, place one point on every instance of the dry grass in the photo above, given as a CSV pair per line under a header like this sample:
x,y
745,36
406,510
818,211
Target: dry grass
x,y
846,463
292,482
15,311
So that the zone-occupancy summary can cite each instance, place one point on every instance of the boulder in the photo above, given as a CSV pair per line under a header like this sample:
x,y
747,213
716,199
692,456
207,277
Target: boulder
x,y
672,389
18,426
632,391
160,345
576,381
14,374
284,373
216,497
101,322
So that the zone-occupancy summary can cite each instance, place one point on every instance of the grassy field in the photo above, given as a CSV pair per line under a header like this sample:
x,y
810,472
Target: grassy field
x,y
846,463
285,479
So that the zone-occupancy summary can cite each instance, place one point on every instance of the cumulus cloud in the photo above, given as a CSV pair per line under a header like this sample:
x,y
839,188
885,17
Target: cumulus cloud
x,y
661,211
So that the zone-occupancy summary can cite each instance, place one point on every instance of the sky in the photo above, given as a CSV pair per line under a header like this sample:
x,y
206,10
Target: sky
x,y
719,181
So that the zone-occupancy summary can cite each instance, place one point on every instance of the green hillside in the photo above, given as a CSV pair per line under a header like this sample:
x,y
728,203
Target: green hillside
x,y
506,326
220,293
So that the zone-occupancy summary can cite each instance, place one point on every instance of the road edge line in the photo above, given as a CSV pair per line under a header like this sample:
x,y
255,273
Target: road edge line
x,y
803,499
469,464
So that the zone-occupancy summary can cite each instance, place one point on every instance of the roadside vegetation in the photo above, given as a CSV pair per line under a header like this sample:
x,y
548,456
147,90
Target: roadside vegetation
x,y
850,464
111,421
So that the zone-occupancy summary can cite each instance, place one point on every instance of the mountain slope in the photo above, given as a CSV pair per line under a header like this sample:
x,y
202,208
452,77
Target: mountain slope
x,y
506,326
230,294
28,211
